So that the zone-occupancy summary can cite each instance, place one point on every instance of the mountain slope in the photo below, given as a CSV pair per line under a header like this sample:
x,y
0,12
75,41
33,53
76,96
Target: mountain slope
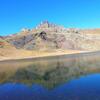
x,y
48,36
49,39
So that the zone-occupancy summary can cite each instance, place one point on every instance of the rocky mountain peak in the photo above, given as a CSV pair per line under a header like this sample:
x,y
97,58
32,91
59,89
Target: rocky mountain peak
x,y
49,27
45,24
50,36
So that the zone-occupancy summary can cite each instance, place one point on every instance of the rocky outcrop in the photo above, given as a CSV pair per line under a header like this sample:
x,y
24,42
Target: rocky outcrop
x,y
47,36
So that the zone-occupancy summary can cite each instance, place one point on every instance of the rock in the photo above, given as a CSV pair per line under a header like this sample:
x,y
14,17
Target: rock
x,y
47,36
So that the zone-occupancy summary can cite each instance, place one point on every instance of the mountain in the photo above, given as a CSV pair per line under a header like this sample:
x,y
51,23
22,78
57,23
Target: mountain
x,y
48,37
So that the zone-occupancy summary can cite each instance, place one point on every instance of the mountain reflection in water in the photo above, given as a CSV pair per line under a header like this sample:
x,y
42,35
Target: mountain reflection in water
x,y
52,78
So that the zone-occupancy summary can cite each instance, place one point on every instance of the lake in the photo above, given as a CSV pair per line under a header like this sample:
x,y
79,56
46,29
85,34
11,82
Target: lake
x,y
72,77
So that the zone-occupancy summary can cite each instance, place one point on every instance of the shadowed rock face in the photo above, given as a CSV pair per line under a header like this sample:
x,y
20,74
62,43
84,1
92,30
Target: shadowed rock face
x,y
42,40
47,36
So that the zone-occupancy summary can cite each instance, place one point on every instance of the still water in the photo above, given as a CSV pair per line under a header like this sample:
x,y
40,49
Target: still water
x,y
74,77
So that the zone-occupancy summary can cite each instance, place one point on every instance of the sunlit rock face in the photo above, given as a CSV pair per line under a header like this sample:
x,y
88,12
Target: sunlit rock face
x,y
48,36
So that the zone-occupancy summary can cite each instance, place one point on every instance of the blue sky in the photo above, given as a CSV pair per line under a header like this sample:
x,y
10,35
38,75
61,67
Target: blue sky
x,y
17,14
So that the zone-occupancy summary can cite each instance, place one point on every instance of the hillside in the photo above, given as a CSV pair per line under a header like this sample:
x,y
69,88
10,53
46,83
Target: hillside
x,y
49,38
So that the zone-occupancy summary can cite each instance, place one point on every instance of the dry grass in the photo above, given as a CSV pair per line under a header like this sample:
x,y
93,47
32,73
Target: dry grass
x,y
20,54
91,31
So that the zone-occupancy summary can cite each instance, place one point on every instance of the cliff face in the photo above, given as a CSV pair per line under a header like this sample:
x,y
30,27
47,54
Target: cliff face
x,y
47,36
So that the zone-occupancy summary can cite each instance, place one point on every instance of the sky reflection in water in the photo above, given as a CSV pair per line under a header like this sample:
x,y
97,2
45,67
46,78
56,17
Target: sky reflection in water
x,y
57,78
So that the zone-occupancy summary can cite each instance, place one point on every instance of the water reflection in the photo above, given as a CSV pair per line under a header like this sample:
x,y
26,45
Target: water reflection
x,y
51,78
48,72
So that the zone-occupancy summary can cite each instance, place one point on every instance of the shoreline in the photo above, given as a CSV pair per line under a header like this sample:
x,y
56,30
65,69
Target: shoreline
x,y
49,55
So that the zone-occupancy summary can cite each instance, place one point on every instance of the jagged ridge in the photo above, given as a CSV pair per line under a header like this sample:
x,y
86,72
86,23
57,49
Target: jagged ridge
x,y
47,36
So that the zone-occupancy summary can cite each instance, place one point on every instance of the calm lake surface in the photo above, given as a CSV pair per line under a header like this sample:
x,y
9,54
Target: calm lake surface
x,y
70,77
